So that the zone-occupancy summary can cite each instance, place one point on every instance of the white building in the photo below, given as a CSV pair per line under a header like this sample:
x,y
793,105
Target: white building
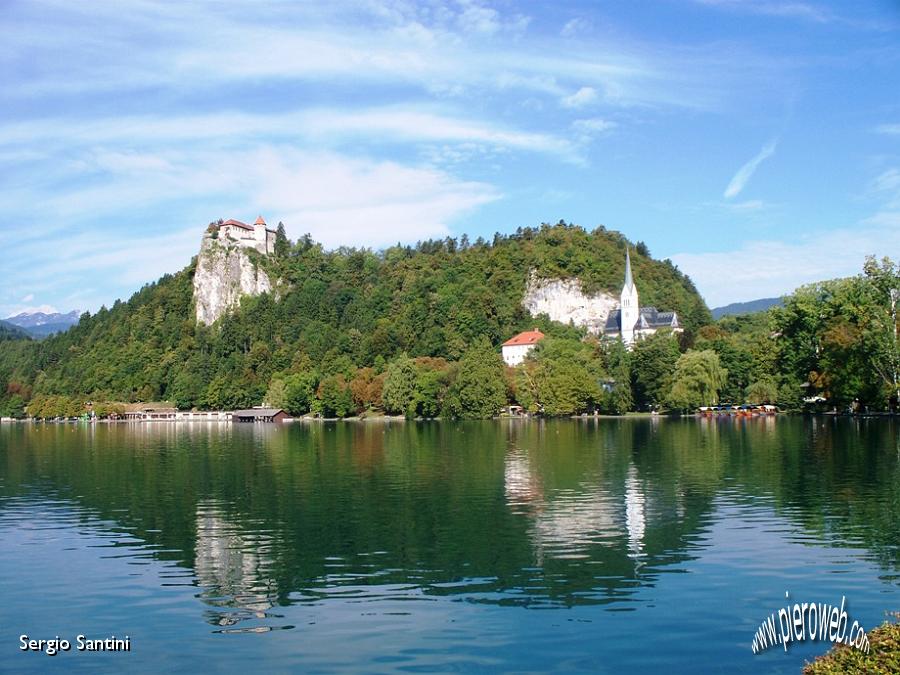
x,y
631,321
516,348
257,236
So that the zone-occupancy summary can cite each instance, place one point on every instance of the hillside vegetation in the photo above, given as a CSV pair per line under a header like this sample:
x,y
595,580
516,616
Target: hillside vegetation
x,y
416,331
342,311
10,331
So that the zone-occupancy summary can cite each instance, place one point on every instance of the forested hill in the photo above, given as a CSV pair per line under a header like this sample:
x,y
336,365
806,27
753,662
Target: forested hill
x,y
9,331
337,310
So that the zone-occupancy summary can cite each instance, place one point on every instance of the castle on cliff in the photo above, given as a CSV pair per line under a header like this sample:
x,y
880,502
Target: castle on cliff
x,y
257,236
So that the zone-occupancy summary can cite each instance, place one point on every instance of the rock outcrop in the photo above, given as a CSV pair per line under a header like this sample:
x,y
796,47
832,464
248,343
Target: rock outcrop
x,y
563,300
225,273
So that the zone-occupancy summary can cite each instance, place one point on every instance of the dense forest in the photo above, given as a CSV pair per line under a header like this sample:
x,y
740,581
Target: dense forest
x,y
416,330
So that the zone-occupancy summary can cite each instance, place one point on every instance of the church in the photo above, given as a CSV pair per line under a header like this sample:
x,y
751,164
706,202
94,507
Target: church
x,y
631,321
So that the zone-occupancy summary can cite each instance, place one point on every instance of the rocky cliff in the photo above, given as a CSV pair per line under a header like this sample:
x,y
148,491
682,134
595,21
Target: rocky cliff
x,y
563,300
225,273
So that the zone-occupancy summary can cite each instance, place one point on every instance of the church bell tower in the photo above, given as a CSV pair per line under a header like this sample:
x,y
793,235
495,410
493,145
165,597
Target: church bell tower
x,y
630,306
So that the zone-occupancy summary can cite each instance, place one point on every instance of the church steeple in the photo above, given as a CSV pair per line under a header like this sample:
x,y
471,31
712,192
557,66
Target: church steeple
x,y
629,304
629,282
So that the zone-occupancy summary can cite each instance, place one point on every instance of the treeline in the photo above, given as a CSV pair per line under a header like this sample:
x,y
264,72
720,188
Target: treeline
x,y
832,345
340,310
416,331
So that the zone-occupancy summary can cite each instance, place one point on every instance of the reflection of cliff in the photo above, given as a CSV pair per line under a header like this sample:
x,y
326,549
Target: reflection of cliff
x,y
232,567
571,521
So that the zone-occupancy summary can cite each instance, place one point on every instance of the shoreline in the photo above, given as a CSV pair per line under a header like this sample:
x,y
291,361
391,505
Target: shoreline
x,y
401,418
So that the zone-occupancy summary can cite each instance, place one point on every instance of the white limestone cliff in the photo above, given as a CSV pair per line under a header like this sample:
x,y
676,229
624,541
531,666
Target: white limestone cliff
x,y
225,273
563,300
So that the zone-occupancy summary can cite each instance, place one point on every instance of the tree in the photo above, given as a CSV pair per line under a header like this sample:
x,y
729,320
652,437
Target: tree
x,y
883,324
617,398
697,380
762,391
276,394
299,392
282,244
366,388
653,361
399,393
560,377
840,337
479,389
334,397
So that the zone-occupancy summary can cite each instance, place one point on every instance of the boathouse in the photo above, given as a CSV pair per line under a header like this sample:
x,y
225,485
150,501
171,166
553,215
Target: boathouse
x,y
259,415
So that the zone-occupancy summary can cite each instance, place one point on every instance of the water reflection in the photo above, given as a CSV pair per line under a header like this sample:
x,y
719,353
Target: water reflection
x,y
635,517
532,514
232,567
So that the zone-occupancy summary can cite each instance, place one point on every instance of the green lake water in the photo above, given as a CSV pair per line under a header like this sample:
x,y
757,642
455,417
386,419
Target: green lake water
x,y
601,545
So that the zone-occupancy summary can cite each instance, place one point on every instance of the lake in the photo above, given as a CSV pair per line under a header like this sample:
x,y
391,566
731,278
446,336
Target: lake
x,y
602,545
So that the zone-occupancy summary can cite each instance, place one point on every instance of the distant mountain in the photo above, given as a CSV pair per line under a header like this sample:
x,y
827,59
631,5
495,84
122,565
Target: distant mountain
x,y
749,307
39,324
10,332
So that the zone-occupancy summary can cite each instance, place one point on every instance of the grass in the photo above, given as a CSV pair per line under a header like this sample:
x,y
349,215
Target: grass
x,y
883,657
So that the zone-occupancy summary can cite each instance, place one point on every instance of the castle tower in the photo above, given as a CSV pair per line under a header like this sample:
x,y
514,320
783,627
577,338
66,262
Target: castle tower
x,y
628,301
260,235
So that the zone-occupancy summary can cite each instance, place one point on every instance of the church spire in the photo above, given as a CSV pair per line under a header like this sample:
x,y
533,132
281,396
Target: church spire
x,y
628,280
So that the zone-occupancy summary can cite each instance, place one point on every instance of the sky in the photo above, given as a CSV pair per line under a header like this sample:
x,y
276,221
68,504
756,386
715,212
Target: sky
x,y
756,143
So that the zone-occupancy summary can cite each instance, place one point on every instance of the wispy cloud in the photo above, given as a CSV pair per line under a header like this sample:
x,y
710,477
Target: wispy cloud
x,y
799,10
583,97
386,123
575,27
890,129
745,173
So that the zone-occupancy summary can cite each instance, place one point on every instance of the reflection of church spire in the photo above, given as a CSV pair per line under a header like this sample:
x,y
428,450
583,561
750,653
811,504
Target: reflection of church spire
x,y
635,516
231,567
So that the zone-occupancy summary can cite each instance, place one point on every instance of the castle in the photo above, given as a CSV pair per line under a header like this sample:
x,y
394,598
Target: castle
x,y
631,321
257,236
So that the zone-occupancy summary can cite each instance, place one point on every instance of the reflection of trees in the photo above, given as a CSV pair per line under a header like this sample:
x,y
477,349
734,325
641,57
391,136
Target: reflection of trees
x,y
572,511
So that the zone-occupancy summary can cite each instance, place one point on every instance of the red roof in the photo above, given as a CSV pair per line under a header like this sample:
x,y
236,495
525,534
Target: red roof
x,y
237,223
529,337
260,221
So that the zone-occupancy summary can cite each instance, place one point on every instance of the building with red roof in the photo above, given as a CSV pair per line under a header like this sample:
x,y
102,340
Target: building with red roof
x,y
257,236
517,347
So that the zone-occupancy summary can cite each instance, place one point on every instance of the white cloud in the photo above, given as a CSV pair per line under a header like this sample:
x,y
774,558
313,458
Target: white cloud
x,y
575,26
890,129
593,126
800,10
761,269
581,98
743,175
353,202
338,199
28,298
316,125
749,205
888,181
766,268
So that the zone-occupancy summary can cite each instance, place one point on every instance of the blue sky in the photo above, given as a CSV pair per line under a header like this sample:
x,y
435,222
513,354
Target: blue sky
x,y
756,143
